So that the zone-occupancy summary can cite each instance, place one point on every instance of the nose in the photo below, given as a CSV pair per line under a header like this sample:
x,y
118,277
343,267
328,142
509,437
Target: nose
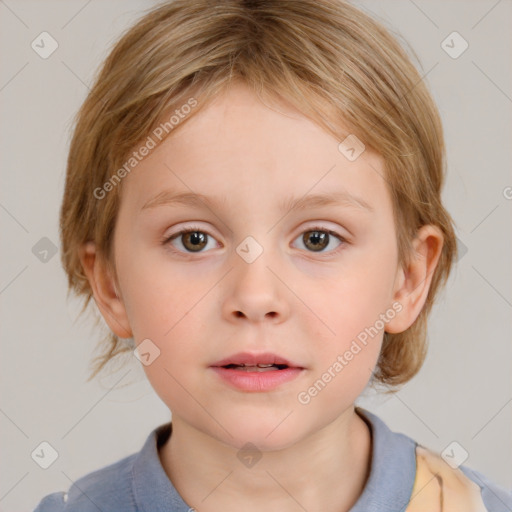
x,y
255,293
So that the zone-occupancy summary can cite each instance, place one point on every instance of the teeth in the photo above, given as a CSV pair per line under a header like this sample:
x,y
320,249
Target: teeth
x,y
258,368
259,365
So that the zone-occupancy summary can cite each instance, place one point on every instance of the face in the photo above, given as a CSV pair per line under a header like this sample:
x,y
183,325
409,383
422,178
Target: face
x,y
256,274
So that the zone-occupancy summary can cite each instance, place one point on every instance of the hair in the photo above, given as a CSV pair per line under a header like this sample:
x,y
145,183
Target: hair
x,y
331,61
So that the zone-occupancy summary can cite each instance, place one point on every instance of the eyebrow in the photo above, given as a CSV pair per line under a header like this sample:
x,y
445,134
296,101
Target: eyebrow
x,y
341,198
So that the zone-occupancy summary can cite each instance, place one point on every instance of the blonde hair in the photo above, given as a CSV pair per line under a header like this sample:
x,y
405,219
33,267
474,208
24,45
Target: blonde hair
x,y
330,60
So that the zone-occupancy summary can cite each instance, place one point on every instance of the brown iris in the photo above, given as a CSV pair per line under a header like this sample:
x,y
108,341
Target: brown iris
x,y
319,240
194,240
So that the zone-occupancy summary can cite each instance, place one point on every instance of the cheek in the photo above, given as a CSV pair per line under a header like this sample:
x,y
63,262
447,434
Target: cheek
x,y
355,310
345,360
360,297
157,296
165,315
169,308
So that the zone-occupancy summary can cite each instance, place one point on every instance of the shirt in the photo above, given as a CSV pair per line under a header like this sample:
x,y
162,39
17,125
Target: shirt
x,y
138,483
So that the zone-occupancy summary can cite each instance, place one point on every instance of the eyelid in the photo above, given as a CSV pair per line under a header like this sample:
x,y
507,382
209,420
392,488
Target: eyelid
x,y
324,226
187,229
316,225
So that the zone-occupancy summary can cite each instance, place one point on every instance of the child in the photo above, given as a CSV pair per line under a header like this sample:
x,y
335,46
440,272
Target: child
x,y
253,198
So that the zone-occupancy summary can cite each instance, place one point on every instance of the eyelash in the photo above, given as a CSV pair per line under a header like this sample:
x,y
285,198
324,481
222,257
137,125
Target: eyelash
x,y
166,241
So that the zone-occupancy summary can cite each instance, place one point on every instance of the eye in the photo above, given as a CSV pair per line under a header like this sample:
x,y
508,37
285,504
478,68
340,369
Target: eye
x,y
194,240
191,240
317,239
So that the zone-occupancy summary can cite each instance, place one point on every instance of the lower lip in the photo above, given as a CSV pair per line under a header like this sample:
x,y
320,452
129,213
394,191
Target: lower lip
x,y
257,381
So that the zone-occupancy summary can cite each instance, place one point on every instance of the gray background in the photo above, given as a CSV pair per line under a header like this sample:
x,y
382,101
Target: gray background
x,y
463,392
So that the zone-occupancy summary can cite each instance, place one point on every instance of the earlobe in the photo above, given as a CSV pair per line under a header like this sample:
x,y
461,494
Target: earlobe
x,y
413,280
105,292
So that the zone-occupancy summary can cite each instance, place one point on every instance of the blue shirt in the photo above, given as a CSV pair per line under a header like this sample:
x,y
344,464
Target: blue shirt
x,y
138,483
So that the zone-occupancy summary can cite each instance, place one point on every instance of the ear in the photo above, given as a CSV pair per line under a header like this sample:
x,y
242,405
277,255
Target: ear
x,y
412,283
104,290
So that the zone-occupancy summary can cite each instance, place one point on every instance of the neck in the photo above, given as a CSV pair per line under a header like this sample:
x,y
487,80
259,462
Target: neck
x,y
325,471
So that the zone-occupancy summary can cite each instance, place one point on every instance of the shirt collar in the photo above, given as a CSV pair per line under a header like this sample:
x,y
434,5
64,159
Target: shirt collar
x,y
393,469
152,488
388,488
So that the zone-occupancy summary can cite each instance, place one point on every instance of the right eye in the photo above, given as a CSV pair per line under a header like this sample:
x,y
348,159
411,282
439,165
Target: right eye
x,y
191,240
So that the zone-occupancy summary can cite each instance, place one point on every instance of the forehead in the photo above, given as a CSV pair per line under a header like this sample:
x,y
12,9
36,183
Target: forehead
x,y
245,148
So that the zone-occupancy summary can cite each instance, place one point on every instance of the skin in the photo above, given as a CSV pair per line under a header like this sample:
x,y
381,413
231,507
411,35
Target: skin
x,y
198,308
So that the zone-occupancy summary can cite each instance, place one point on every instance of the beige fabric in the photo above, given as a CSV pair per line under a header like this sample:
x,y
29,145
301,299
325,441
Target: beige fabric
x,y
439,488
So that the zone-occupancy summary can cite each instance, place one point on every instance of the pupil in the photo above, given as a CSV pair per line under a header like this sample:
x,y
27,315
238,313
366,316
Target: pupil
x,y
197,240
318,238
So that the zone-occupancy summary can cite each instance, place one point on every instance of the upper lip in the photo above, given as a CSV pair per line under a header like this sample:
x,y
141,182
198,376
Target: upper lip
x,y
249,358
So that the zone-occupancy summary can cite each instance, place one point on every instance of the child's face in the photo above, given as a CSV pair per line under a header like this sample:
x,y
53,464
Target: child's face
x,y
304,305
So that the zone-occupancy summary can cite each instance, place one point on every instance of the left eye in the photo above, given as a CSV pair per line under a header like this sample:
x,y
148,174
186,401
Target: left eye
x,y
317,240
194,240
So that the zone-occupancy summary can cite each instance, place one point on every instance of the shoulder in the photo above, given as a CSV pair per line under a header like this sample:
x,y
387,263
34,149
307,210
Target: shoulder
x,y
457,488
108,488
495,497
433,480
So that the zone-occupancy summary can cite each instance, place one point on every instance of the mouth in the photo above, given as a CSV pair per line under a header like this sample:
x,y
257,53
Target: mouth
x,y
255,368
256,372
253,362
